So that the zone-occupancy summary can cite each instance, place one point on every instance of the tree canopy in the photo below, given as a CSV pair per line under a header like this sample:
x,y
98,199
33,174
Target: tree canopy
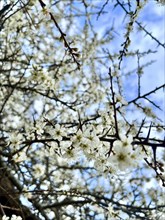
x,y
82,115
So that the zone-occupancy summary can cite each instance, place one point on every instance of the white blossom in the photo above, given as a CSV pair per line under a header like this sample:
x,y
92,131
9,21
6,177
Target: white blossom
x,y
15,140
112,214
26,193
5,217
14,217
57,132
39,127
20,156
122,155
39,170
78,138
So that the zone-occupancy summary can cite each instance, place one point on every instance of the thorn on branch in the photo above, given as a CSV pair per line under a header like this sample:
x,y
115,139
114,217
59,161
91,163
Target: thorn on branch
x,y
114,103
63,37
43,5
138,3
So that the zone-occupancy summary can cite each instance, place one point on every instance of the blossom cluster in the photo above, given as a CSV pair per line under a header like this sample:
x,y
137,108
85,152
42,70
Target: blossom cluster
x,y
87,141
13,217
